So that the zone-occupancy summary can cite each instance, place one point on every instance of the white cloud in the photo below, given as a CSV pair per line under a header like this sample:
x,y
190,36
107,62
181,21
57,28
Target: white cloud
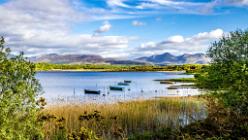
x,y
208,35
146,5
171,6
148,45
119,3
176,39
84,43
178,44
137,23
44,26
104,28
178,6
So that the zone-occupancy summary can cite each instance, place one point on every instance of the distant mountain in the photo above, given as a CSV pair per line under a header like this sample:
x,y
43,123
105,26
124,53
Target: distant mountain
x,y
198,58
167,58
82,59
162,59
71,58
125,62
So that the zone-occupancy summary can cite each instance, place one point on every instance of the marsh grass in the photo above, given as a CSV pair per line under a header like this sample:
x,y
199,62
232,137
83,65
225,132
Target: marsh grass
x,y
121,120
184,80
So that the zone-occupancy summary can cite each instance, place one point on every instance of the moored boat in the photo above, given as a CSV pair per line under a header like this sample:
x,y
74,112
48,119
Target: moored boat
x,y
90,91
122,84
127,81
116,88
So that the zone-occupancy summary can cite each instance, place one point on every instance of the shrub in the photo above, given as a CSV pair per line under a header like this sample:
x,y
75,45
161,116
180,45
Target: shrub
x,y
18,92
228,73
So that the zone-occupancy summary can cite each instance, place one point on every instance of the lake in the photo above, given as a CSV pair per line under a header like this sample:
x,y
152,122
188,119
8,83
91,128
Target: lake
x,y
69,86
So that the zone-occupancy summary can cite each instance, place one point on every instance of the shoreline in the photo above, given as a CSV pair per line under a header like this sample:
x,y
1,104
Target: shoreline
x,y
153,99
96,70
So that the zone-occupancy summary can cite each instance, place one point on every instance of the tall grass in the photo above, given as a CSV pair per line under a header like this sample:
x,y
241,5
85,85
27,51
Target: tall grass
x,y
124,119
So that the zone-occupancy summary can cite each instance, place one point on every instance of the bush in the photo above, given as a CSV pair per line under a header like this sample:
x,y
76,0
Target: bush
x,y
18,92
221,123
228,73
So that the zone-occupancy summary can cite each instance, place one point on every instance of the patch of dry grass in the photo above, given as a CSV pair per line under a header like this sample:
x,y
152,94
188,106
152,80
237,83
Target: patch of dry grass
x,y
123,119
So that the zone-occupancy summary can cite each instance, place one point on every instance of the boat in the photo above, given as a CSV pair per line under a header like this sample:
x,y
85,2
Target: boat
x,y
89,91
127,81
122,84
116,88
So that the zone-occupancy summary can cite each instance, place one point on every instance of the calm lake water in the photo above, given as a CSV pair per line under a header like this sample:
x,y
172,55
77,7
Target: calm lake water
x,y
69,86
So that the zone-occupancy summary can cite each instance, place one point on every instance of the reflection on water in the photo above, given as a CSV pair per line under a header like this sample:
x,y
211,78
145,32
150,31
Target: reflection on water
x,y
69,86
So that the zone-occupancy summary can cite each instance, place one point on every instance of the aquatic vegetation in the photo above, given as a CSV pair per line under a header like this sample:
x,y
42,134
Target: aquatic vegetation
x,y
121,120
220,124
169,81
166,82
183,86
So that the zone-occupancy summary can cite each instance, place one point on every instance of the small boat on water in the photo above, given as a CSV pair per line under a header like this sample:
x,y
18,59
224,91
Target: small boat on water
x,y
90,91
116,88
122,84
127,81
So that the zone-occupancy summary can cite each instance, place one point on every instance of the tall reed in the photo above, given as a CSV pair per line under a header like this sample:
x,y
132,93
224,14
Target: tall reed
x,y
124,119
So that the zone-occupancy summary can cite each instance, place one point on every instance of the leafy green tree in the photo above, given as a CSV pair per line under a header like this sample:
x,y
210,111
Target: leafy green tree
x,y
18,93
228,73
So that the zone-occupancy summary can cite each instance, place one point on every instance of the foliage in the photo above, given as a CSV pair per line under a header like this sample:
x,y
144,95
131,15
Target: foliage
x,y
221,123
84,134
228,73
184,80
189,68
18,92
162,134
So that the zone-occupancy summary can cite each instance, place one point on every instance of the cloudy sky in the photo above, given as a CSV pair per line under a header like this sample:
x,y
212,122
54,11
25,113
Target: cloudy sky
x,y
118,28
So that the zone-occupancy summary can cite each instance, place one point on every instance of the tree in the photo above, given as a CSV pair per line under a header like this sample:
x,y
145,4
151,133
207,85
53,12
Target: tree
x,y
18,98
227,74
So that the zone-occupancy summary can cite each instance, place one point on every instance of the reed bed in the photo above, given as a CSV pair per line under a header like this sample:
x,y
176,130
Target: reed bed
x,y
120,120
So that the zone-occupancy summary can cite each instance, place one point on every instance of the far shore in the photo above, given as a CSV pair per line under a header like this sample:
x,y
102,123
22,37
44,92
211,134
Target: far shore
x,y
99,70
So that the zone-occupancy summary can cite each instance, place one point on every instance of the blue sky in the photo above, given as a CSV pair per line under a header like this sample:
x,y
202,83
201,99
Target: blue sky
x,y
118,28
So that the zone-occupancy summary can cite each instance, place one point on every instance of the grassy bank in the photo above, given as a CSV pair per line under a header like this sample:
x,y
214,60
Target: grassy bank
x,y
184,80
188,68
185,83
121,120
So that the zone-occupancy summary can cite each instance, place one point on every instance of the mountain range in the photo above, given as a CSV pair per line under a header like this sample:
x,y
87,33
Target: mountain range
x,y
167,58
161,59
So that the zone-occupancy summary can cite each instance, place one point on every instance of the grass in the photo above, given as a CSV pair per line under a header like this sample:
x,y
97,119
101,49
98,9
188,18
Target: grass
x,y
166,82
121,120
184,80
191,86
